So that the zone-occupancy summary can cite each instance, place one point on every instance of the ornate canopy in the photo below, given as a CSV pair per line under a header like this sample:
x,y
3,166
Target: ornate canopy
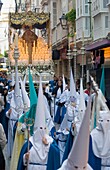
x,y
28,19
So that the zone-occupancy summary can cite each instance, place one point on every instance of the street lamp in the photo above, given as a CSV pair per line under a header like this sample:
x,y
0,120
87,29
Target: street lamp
x,y
89,2
64,24
1,5
63,21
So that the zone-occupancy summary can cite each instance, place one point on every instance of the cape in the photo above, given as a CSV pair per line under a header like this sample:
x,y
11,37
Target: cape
x,y
4,119
23,151
18,143
53,162
53,130
93,161
68,146
61,111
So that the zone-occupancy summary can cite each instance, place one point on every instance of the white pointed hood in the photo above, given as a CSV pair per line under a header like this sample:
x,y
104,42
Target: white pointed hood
x,y
72,86
101,136
81,151
47,113
24,80
40,110
82,106
12,102
64,83
26,100
78,157
17,94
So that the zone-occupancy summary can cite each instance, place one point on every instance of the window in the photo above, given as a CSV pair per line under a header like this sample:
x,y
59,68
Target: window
x,y
105,2
87,23
86,1
86,9
78,12
54,14
106,21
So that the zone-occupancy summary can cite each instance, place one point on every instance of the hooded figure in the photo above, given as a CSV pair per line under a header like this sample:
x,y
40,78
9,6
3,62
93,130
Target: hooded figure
x,y
19,134
78,157
49,122
99,152
70,104
76,122
16,109
40,140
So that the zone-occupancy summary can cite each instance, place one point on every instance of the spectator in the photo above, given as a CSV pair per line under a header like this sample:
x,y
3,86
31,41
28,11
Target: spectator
x,y
53,83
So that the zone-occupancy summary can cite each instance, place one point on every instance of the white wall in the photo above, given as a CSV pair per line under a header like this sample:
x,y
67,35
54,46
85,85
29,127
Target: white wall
x,y
99,26
64,6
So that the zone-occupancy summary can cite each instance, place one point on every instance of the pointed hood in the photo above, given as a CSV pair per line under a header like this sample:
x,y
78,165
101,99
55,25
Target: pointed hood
x,y
24,80
47,112
25,97
82,106
102,82
72,86
12,102
40,110
64,83
17,94
78,156
33,95
94,84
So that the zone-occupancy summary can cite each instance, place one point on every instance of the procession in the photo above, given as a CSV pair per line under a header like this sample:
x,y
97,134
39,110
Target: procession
x,y
54,87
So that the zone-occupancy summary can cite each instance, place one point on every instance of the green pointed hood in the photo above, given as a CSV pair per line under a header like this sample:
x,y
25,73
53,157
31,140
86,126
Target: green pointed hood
x,y
102,81
33,95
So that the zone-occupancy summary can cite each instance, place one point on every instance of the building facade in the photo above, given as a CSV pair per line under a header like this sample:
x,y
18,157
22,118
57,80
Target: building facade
x,y
6,8
59,36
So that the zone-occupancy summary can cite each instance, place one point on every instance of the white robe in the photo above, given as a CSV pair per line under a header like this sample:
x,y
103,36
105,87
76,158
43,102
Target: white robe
x,y
39,152
57,99
12,119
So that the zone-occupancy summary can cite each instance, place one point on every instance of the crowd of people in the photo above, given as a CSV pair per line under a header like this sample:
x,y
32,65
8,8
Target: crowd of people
x,y
60,127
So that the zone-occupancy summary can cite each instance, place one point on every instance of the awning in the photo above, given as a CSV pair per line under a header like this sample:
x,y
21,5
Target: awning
x,y
98,45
